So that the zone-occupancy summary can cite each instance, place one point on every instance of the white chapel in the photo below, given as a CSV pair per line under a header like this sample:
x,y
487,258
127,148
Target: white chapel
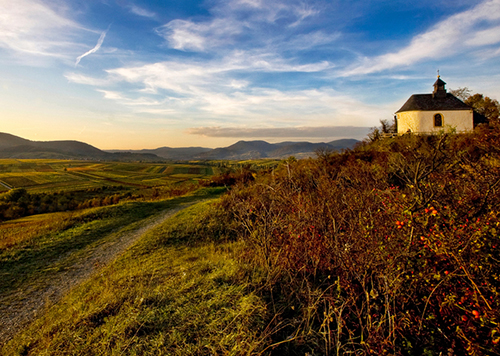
x,y
431,113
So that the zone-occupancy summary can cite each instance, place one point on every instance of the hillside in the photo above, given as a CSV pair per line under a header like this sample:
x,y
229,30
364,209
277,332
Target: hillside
x,y
8,140
16,147
387,249
244,150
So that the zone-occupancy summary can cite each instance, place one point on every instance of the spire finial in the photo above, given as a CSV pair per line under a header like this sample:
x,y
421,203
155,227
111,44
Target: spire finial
x,y
438,74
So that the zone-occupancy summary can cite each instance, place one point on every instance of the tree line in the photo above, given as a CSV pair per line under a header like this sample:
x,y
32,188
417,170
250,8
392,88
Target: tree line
x,y
19,202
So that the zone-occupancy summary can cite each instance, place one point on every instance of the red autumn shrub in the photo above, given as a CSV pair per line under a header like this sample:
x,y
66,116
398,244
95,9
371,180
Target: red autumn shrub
x,y
391,248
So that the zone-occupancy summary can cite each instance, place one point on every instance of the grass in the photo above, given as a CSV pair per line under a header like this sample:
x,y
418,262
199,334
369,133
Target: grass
x,y
30,249
20,231
178,291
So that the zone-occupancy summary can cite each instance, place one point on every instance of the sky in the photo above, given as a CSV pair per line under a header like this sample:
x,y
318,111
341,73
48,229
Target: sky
x,y
136,74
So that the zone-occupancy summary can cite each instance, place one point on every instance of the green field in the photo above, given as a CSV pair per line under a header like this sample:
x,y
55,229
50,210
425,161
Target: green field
x,y
37,186
64,175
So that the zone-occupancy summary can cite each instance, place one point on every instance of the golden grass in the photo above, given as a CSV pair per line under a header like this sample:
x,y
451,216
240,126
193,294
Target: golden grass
x,y
25,229
168,295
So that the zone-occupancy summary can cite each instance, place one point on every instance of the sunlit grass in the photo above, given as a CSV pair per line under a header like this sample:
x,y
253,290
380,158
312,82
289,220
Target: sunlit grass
x,y
19,231
175,292
25,260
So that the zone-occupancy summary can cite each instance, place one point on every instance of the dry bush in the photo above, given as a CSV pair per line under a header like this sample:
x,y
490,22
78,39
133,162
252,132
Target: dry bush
x,y
391,248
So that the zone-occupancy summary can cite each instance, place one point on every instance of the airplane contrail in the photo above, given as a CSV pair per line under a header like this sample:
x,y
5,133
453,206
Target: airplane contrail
x,y
95,49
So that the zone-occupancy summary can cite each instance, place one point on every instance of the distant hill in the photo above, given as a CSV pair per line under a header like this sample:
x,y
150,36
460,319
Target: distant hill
x,y
16,147
182,153
260,149
240,150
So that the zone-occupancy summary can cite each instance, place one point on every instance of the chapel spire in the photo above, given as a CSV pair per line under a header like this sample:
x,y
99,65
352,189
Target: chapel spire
x,y
439,88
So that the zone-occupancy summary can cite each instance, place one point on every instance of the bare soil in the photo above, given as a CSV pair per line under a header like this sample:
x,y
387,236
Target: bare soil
x,y
19,308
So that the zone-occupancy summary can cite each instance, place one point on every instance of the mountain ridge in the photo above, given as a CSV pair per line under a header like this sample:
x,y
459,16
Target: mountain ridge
x,y
12,146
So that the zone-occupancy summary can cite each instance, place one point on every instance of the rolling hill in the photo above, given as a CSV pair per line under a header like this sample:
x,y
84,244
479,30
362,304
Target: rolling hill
x,y
16,147
260,149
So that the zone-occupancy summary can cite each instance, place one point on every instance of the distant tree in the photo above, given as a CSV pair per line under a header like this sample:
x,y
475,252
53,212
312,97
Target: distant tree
x,y
484,105
116,199
385,127
3,208
481,104
374,134
96,202
108,200
15,195
461,93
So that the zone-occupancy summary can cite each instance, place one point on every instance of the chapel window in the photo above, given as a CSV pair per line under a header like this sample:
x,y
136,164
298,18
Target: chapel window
x,y
438,120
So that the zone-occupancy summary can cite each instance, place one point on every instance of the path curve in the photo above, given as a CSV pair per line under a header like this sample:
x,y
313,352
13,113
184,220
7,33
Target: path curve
x,y
6,186
27,304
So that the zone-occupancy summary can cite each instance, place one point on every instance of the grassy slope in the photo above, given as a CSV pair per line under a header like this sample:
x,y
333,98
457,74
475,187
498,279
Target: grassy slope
x,y
171,293
31,261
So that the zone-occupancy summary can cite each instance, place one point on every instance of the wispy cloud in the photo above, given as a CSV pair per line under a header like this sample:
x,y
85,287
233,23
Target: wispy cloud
x,y
141,11
485,37
96,47
248,22
445,39
86,80
190,76
191,36
114,95
31,28
288,12
211,91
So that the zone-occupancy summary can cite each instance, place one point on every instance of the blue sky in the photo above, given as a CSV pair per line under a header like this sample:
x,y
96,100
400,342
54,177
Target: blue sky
x,y
131,74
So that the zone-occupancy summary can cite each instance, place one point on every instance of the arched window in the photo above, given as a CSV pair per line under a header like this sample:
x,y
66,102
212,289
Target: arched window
x,y
438,120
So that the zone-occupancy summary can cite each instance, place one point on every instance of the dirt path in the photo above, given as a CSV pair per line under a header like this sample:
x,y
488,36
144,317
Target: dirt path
x,y
21,307
6,186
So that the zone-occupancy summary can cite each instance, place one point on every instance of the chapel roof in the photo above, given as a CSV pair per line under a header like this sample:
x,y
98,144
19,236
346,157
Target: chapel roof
x,y
429,102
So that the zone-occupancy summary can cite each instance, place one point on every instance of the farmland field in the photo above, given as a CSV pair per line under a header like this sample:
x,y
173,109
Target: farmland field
x,y
64,175
32,187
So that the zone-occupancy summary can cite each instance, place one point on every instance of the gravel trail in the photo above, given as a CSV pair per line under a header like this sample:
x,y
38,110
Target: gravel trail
x,y
20,307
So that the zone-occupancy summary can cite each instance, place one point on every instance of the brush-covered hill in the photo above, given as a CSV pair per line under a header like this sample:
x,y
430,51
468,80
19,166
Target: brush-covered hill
x,y
389,248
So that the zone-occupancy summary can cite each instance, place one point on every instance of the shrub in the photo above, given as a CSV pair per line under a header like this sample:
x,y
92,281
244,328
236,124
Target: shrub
x,y
391,248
